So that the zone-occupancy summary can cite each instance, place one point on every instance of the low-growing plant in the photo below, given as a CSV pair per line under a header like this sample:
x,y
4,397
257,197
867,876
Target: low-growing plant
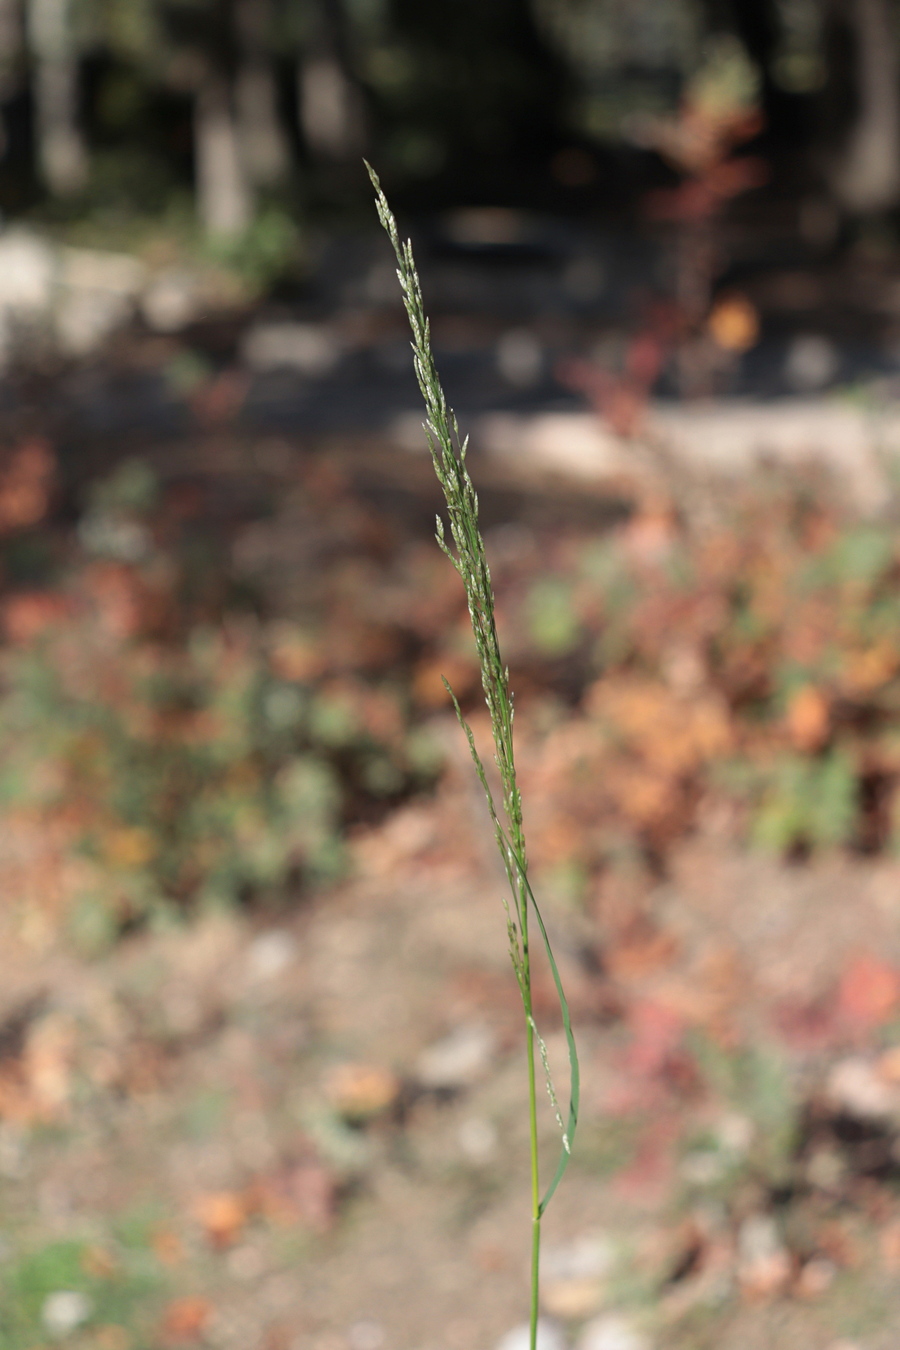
x,y
466,551
192,774
71,1288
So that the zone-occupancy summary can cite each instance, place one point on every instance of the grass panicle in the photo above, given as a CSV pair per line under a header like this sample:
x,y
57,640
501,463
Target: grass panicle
x,y
465,549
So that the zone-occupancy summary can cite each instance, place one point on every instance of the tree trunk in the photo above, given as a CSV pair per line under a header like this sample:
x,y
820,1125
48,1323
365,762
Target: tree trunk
x,y
10,56
330,105
263,141
331,114
62,155
867,176
224,193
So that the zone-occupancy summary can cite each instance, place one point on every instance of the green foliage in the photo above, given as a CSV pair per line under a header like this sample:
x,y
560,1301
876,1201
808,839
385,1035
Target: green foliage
x,y
862,555
554,627
181,762
756,1083
264,253
115,1284
810,802
755,662
201,777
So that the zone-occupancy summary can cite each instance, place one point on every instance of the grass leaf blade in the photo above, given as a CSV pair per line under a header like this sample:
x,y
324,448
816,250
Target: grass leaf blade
x,y
574,1069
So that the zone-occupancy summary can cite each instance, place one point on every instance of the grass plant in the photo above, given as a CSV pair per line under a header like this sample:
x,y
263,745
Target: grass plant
x,y
466,551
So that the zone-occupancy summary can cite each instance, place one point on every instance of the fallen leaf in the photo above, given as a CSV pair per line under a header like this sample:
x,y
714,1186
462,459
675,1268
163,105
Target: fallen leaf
x,y
734,323
25,484
862,672
97,1261
640,954
869,992
186,1319
816,1278
305,1193
673,733
572,1299
167,1246
47,1064
222,1215
840,1242
361,1091
29,614
295,656
765,1276
889,1247
808,719
888,1066
128,847
429,690
111,1337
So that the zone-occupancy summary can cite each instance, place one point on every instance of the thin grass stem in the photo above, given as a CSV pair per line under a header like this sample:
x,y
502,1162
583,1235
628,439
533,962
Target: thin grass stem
x,y
466,551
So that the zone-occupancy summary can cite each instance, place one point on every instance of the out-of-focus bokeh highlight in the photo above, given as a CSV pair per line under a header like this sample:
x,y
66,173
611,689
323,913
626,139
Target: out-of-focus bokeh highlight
x,y
260,1047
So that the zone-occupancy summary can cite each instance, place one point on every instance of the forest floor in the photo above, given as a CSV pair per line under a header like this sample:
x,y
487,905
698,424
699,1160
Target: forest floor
x,y
283,1107
311,1133
261,1053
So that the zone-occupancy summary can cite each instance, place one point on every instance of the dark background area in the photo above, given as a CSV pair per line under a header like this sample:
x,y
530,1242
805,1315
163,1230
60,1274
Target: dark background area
x,y
110,107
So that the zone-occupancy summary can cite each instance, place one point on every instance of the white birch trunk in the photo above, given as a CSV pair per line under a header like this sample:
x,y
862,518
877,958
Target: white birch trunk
x,y
867,177
62,154
263,141
331,114
224,193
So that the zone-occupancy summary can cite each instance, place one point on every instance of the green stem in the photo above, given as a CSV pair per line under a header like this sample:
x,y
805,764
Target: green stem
x,y
535,1271
536,1209
464,546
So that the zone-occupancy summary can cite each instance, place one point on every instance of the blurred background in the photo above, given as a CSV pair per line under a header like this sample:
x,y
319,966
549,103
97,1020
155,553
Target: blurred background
x,y
260,1047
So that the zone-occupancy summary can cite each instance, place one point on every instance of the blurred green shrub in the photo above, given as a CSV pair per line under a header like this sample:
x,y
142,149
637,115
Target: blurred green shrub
x,y
180,760
193,776
73,1289
801,802
755,662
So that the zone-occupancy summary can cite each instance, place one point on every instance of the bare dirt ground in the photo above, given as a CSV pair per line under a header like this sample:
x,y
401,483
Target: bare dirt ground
x,y
311,1134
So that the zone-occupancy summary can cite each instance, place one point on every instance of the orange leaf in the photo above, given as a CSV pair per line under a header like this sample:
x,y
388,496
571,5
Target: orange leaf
x,y
889,1247
869,991
865,671
428,684
734,323
808,719
360,1091
185,1319
222,1215
29,614
25,485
